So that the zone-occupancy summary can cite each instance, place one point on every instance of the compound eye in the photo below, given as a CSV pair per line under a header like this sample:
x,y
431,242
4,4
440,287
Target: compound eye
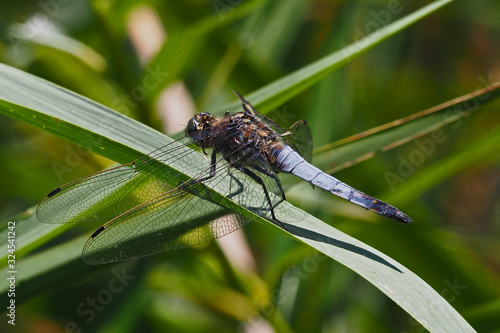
x,y
193,129
192,126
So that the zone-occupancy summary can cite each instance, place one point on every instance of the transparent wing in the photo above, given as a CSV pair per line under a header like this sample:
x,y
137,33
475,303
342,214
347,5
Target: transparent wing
x,y
185,216
299,137
105,195
178,219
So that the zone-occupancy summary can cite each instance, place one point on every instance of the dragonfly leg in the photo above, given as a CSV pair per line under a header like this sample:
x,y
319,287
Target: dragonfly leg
x,y
273,176
259,180
213,163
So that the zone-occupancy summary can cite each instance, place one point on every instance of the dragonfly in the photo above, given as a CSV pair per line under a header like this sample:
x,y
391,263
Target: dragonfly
x,y
175,198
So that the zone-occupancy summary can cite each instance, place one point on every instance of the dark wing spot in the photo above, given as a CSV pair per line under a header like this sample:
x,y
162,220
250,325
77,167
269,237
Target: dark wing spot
x,y
54,192
97,232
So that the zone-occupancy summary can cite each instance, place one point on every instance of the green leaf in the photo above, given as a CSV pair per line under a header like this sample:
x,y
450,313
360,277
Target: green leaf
x,y
75,118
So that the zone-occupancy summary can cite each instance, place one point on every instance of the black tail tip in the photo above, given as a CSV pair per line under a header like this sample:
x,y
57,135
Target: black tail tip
x,y
402,218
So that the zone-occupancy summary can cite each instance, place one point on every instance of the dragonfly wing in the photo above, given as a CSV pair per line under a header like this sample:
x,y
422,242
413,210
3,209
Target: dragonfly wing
x,y
98,197
299,137
107,194
175,220
188,215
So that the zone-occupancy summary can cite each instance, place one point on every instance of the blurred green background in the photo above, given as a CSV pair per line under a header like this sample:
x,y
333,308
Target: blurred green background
x,y
100,49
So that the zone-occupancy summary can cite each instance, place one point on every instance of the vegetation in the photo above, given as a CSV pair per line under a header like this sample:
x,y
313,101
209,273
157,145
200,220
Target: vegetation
x,y
313,60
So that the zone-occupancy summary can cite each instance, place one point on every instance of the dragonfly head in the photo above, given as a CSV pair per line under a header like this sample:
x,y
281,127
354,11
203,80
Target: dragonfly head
x,y
198,127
